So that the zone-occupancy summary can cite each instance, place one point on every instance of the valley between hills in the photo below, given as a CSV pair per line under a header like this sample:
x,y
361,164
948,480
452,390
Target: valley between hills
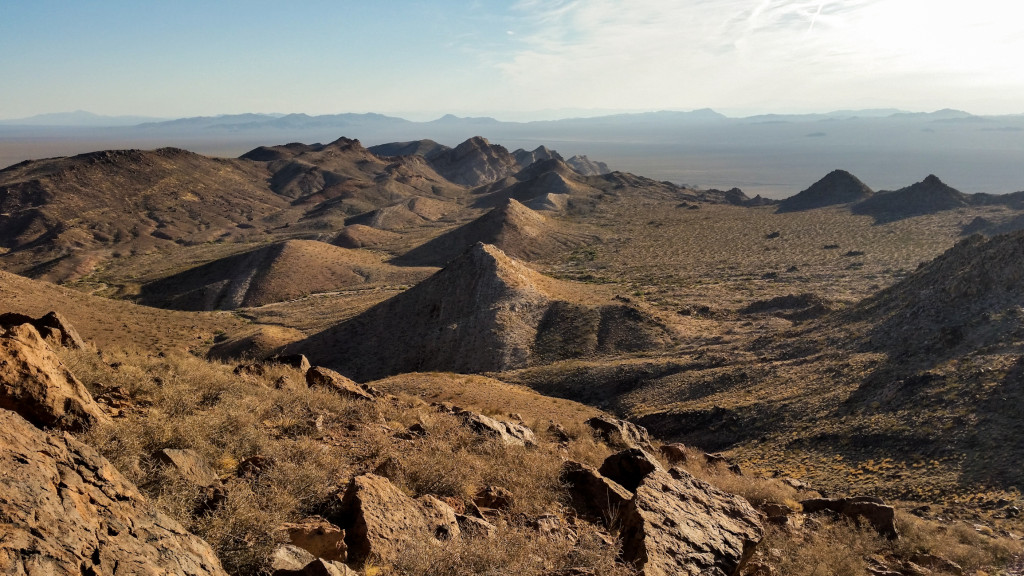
x,y
411,358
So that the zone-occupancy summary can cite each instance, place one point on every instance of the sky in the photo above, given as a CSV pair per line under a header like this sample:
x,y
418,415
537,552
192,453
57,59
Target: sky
x,y
512,60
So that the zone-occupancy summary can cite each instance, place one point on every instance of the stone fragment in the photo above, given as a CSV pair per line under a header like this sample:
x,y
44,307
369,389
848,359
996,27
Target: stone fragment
x,y
872,510
629,467
189,465
316,536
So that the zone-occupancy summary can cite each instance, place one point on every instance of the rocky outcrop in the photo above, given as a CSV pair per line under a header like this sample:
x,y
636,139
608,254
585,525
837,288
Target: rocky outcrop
x,y
526,157
319,567
53,328
837,187
509,433
685,526
320,377
67,510
629,467
35,384
593,496
588,167
620,433
872,510
474,162
380,520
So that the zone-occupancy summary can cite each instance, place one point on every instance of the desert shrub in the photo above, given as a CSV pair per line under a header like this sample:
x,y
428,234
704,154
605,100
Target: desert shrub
x,y
832,548
515,550
956,541
754,489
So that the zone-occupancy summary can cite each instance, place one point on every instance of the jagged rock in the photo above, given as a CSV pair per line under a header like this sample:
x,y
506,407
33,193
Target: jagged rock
x,y
509,433
685,526
52,327
620,433
319,567
629,467
294,360
593,496
288,557
380,520
189,465
35,384
67,510
316,536
494,497
674,453
320,377
881,517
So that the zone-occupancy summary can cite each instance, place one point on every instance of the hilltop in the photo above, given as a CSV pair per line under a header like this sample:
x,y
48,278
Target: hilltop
x,y
837,187
482,312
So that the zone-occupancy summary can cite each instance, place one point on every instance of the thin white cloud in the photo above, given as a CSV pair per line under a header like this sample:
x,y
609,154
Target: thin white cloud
x,y
752,53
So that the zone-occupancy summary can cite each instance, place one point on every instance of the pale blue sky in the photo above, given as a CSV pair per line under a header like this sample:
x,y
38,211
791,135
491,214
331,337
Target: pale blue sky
x,y
511,60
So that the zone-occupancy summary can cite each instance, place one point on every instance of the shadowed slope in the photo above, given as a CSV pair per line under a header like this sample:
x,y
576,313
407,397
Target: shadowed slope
x,y
837,187
483,312
415,211
474,162
928,196
512,227
274,273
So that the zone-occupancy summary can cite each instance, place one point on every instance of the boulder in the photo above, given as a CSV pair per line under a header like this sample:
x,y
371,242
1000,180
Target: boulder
x,y
67,510
316,536
189,465
593,496
685,526
629,467
380,520
35,384
872,510
52,327
320,377
620,433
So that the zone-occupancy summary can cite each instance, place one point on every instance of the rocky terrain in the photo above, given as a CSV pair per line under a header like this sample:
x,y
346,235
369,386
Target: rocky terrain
x,y
416,359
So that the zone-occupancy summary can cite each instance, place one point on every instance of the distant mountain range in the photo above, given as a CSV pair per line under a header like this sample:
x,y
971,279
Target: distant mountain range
x,y
771,155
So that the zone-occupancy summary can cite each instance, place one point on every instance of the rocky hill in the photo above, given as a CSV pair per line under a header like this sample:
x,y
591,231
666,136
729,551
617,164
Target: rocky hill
x,y
526,157
56,214
837,187
484,311
474,162
515,229
588,167
928,196
415,211
274,273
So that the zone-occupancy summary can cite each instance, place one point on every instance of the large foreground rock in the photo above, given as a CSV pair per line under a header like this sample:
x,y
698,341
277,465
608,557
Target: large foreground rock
x,y
35,384
685,526
64,509
53,327
593,496
380,520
